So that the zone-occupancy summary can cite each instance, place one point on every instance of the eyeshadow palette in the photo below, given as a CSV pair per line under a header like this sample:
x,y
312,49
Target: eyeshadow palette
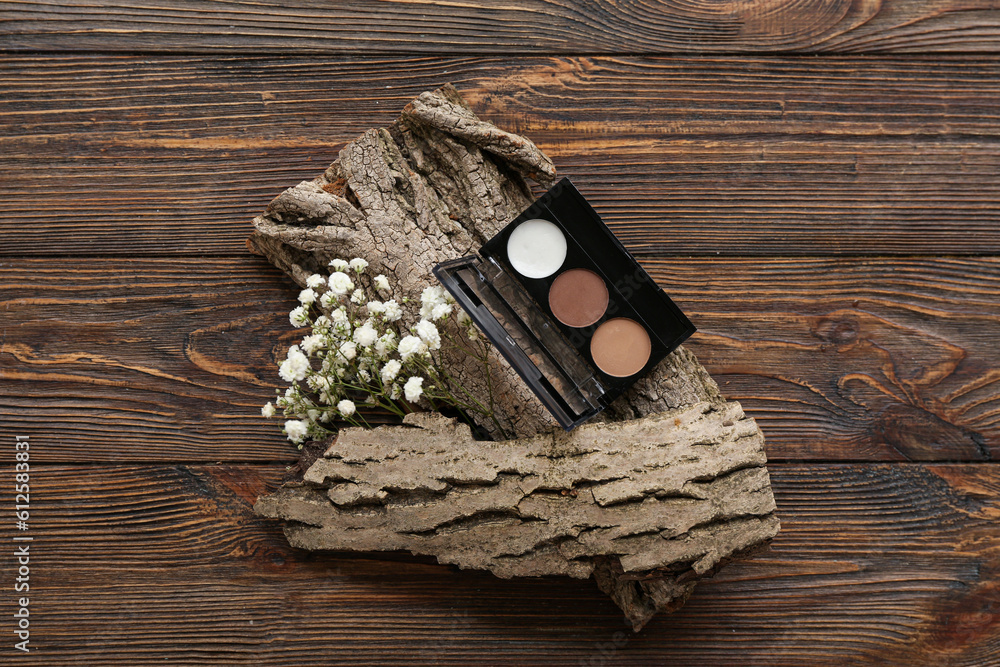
x,y
567,305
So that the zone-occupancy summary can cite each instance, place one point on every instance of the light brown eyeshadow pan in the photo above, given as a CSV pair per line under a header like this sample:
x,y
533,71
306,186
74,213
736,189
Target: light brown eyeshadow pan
x,y
578,297
620,347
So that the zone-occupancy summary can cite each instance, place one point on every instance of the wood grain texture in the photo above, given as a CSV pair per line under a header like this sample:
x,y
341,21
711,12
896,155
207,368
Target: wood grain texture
x,y
107,359
147,564
837,359
177,354
681,156
889,359
524,26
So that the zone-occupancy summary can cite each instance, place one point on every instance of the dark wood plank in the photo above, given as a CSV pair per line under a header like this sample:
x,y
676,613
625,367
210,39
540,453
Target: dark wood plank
x,y
731,156
888,359
838,359
157,360
142,565
525,26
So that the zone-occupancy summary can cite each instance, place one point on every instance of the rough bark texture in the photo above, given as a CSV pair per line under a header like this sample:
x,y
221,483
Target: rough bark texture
x,y
646,505
670,486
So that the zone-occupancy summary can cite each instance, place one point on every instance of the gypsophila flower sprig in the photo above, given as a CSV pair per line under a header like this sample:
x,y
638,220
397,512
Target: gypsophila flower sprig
x,y
360,352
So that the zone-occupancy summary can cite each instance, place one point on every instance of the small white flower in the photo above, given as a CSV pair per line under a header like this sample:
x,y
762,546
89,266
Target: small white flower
x,y
339,264
346,407
386,343
318,382
315,281
313,343
432,295
322,324
429,334
348,350
295,366
382,283
393,312
375,308
328,300
441,311
307,296
389,371
286,372
268,409
411,345
463,319
358,264
413,389
296,430
395,392
340,319
298,317
340,283
365,335
358,297
364,375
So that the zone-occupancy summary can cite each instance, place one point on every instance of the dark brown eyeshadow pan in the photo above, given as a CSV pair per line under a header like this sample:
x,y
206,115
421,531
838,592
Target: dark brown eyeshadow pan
x,y
578,297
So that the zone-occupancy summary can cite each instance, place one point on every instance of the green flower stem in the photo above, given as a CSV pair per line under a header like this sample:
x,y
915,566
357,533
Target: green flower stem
x,y
476,406
382,392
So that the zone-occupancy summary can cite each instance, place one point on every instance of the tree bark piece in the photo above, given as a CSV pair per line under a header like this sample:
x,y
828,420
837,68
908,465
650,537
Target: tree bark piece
x,y
648,508
434,186
668,497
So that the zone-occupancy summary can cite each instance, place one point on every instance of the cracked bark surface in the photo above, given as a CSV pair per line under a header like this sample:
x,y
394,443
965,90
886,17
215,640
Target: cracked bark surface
x,y
666,488
646,506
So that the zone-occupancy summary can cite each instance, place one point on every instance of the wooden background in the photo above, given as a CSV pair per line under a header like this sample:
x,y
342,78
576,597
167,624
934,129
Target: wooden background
x,y
816,184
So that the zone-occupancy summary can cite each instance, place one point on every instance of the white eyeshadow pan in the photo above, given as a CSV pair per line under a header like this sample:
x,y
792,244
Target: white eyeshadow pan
x,y
536,248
